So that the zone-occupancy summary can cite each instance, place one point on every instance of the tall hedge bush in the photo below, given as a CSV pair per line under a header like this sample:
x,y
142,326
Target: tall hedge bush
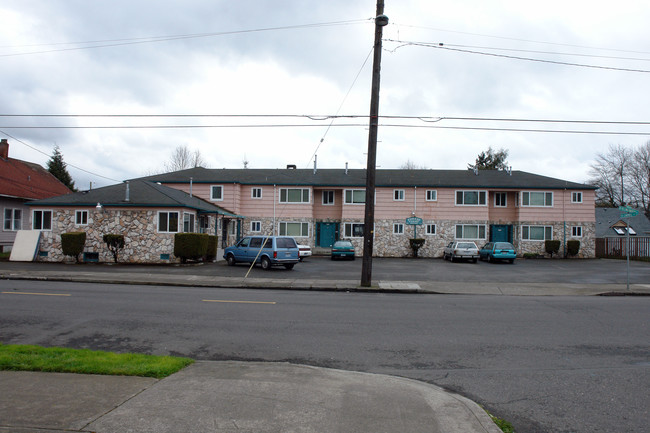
x,y
572,247
114,243
73,244
190,246
552,247
211,253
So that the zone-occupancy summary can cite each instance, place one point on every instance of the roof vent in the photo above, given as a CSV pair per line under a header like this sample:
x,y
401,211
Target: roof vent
x,y
346,168
291,166
476,171
128,192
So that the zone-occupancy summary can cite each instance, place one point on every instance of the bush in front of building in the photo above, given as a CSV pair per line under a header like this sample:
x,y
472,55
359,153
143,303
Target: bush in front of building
x,y
114,243
72,244
572,247
190,246
211,253
551,247
416,244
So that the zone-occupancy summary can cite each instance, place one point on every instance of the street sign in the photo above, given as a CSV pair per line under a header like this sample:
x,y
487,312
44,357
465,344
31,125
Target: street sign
x,y
628,211
414,221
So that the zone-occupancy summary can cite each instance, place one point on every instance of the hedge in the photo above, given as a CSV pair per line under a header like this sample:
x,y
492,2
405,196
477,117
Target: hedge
x,y
73,243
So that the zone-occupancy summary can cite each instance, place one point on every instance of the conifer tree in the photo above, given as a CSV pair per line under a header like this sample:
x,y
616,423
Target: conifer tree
x,y
58,169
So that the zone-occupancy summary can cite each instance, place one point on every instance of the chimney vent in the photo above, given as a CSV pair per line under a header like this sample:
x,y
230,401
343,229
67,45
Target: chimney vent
x,y
315,158
346,168
291,166
128,192
4,149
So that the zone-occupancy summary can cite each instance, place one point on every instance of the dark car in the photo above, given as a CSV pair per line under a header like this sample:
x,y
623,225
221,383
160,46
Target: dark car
x,y
277,251
495,251
457,250
343,249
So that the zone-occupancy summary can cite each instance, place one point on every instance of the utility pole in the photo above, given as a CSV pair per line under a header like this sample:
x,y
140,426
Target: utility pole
x,y
368,227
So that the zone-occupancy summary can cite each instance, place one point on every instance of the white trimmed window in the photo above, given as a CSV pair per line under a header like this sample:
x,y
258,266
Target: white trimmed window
x,y
432,195
355,196
500,199
430,229
294,229
537,198
168,222
576,197
398,195
398,229
470,231
576,231
471,198
216,192
256,226
294,195
256,193
536,233
328,198
42,220
81,218
13,219
188,222
353,230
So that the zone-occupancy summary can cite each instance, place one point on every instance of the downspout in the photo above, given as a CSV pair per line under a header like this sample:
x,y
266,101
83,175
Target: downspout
x,y
564,219
274,198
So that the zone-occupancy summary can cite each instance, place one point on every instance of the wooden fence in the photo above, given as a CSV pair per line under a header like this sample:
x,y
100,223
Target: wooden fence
x,y
616,247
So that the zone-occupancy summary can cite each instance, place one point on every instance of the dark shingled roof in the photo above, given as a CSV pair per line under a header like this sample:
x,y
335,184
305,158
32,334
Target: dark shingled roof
x,y
357,178
607,217
141,194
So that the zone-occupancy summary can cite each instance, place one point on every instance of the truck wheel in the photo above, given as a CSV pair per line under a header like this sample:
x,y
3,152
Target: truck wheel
x,y
231,260
266,263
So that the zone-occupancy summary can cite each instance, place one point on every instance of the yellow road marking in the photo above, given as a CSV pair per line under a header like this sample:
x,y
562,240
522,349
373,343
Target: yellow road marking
x,y
38,294
238,302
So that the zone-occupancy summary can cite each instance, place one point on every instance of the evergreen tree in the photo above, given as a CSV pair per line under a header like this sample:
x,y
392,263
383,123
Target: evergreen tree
x,y
491,160
58,169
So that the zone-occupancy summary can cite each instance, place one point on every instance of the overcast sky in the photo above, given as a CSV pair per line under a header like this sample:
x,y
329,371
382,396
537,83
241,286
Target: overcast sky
x,y
590,61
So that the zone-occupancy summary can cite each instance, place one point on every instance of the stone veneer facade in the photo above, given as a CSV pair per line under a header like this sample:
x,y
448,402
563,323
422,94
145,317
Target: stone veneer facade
x,y
142,242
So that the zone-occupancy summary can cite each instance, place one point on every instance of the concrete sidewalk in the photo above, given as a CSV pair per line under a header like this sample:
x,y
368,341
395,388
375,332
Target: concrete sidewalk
x,y
234,397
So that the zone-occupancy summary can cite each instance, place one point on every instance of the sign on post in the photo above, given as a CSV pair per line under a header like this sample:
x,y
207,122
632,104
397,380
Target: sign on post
x,y
414,221
627,211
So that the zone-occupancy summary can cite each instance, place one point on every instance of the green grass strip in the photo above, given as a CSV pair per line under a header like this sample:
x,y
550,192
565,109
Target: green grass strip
x,y
85,361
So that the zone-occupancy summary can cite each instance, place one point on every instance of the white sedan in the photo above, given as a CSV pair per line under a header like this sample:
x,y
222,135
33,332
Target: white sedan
x,y
304,251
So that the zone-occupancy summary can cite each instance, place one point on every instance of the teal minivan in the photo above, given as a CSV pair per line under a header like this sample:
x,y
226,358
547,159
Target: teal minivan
x,y
268,251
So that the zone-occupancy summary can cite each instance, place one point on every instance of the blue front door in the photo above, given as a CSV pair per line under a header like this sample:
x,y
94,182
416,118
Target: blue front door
x,y
501,233
327,234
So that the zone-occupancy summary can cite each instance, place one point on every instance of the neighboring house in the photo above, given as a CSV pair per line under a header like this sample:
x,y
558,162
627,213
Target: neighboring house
x,y
146,213
319,206
21,181
612,233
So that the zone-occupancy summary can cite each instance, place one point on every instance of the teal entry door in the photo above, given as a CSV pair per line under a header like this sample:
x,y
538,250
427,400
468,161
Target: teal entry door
x,y
501,233
327,234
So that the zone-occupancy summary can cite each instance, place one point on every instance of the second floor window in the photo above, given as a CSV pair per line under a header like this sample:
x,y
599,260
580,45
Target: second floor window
x,y
256,193
432,195
471,198
398,195
328,198
216,192
355,196
576,197
500,199
294,195
536,198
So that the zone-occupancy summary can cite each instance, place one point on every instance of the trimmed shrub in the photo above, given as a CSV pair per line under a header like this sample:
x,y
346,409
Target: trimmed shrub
x,y
416,244
190,246
552,247
211,253
572,247
114,243
73,243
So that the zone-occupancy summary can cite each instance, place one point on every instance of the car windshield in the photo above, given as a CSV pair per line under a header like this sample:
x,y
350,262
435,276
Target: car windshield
x,y
504,246
465,245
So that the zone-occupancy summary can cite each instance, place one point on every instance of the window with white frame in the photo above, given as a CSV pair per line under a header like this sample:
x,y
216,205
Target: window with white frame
x,y
355,196
537,198
398,195
256,192
432,195
188,222
42,220
294,195
398,228
353,230
470,231
430,229
576,197
500,199
536,233
471,198
216,192
81,218
256,226
576,231
328,198
168,222
13,219
294,229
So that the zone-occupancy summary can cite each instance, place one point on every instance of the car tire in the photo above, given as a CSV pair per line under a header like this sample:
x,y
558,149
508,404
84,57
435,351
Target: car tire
x,y
489,258
231,260
451,258
512,261
474,260
289,266
266,263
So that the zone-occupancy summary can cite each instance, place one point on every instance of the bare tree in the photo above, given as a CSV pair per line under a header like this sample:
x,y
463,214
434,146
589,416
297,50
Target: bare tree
x,y
609,173
183,158
639,177
410,165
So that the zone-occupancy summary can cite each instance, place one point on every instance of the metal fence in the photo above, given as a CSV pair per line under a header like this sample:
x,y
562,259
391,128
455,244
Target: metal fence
x,y
616,247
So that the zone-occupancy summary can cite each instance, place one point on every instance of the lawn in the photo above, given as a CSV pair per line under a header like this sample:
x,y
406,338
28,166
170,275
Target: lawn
x,y
61,360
